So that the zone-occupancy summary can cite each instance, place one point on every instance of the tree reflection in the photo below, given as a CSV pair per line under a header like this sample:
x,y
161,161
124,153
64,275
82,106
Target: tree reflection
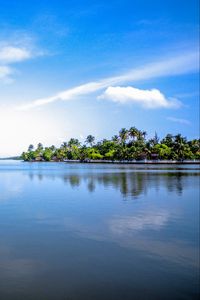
x,y
91,185
128,183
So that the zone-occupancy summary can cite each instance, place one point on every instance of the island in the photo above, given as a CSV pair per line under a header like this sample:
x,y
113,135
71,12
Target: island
x,y
128,146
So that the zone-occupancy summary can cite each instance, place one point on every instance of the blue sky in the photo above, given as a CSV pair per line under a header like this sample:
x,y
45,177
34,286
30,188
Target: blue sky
x,y
73,68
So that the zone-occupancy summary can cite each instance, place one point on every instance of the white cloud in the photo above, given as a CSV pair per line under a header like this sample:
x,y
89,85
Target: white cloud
x,y
10,54
146,98
69,94
15,49
122,225
175,65
177,120
5,72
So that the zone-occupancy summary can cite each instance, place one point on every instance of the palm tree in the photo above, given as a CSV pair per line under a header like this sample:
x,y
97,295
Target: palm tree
x,y
154,141
115,138
140,135
74,142
168,140
180,145
144,133
52,148
90,140
40,147
178,139
30,148
194,145
133,132
64,145
123,134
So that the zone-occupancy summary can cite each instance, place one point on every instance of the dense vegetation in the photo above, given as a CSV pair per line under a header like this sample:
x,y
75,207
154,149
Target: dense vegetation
x,y
127,145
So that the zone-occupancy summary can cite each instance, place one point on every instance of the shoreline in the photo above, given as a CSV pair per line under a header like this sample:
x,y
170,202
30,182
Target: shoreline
x,y
149,162
141,162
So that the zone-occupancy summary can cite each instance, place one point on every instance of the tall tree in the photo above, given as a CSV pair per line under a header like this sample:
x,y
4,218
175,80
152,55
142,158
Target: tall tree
x,y
133,133
90,140
30,148
123,134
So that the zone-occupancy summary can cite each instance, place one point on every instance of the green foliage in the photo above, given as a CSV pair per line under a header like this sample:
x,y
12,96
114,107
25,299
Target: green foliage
x,y
73,152
110,154
93,154
162,150
47,154
127,145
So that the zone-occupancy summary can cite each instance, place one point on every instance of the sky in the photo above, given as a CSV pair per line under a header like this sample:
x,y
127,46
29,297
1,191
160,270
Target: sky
x,y
74,68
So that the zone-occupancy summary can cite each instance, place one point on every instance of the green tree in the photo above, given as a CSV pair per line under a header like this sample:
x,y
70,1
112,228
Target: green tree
x,y
162,150
47,154
123,135
133,133
128,145
74,142
30,148
90,140
93,154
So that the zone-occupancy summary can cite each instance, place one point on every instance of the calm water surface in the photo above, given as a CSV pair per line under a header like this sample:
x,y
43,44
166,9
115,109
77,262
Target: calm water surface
x,y
84,231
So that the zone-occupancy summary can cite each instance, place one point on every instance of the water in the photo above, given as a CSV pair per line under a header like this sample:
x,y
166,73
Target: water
x,y
84,231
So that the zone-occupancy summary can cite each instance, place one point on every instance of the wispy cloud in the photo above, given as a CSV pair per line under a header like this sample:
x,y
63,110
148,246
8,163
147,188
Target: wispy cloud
x,y
171,66
15,51
5,74
187,95
122,225
5,71
10,54
146,98
180,121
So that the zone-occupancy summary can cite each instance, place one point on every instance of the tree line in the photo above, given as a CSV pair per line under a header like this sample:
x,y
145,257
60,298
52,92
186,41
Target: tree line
x,y
128,144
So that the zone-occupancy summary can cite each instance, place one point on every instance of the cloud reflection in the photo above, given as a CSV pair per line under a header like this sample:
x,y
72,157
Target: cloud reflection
x,y
120,225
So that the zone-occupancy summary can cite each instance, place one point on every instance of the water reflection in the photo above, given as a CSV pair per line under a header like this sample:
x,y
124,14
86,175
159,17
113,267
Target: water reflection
x,y
67,233
129,184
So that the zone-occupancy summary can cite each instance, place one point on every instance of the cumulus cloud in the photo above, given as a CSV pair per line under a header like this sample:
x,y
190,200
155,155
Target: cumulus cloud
x,y
171,66
10,54
146,98
180,121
